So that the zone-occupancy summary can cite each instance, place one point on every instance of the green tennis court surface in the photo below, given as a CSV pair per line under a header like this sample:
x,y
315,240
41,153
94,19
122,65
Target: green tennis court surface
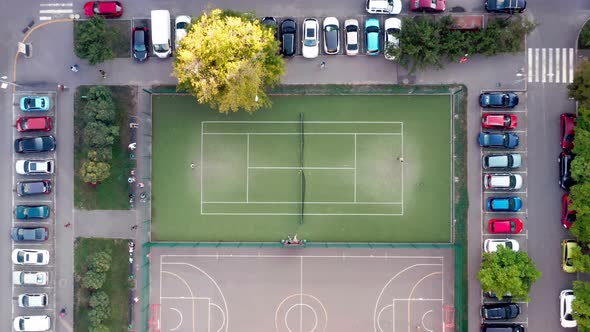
x,y
328,168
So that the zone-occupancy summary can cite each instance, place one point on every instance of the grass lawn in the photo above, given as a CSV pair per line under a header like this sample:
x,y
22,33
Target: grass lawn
x,y
120,42
111,194
116,286
247,183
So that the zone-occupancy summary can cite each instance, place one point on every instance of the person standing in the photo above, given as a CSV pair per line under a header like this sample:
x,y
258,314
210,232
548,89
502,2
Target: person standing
x,y
75,68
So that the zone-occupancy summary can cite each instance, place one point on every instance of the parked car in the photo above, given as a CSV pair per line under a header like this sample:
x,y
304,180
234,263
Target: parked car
x,y
498,99
499,121
29,234
331,35
34,167
32,300
568,217
502,181
25,123
491,245
23,212
181,25
33,187
565,174
504,204
567,123
505,226
30,257
498,140
311,39
502,328
566,298
372,36
504,160
34,104
32,323
497,311
383,6
288,30
432,6
106,9
141,44
505,6
351,27
393,28
34,144
567,246
27,278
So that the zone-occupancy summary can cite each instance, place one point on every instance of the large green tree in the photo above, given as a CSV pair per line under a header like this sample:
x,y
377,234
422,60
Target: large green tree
x,y
228,60
581,305
507,271
91,40
580,88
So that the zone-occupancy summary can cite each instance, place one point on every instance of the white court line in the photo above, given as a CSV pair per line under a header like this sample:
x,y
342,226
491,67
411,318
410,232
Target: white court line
x,y
202,166
557,76
56,11
530,74
544,67
187,286
424,315
571,62
298,214
300,297
181,319
550,74
306,133
184,297
297,168
247,167
335,122
403,165
56,4
355,167
217,255
564,65
536,65
353,203
416,299
45,18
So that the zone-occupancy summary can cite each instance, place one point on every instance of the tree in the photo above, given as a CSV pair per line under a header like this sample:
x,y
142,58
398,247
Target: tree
x,y
98,134
584,39
99,299
580,88
580,261
91,40
507,271
99,328
100,261
100,110
95,172
93,280
581,305
227,60
98,315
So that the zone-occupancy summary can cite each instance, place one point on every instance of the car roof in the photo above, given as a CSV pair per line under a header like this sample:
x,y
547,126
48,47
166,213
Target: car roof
x,y
392,22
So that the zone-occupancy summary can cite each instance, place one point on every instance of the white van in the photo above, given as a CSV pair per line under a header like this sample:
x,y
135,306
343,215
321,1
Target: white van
x,y
384,6
161,37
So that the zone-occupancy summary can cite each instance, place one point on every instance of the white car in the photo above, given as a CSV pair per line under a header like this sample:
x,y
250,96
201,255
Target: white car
x,y
181,24
491,245
34,167
22,278
502,181
32,323
311,38
32,300
384,6
565,308
393,26
351,28
30,257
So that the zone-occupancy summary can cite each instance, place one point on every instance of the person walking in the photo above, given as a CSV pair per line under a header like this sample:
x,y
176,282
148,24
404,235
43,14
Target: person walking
x,y
323,64
464,58
75,68
103,74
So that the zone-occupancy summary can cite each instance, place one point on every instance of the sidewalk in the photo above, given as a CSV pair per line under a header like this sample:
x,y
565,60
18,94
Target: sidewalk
x,y
105,223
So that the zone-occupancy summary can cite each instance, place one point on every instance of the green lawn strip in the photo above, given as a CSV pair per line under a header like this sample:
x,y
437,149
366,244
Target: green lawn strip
x,y
111,194
176,187
120,42
116,286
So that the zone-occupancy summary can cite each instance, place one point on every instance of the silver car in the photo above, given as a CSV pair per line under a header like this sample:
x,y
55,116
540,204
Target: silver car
x,y
502,160
351,27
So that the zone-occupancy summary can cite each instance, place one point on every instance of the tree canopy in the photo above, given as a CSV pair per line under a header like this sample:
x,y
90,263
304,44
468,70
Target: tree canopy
x,y
506,271
580,88
581,305
228,60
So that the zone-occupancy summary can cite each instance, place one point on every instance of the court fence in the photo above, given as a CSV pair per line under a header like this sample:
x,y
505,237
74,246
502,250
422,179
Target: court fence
x,y
365,245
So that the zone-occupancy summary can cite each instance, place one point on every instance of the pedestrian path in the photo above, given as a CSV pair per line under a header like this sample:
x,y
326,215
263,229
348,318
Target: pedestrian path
x,y
55,10
550,65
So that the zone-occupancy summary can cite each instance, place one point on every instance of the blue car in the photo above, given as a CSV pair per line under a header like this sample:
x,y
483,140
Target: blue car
x,y
373,32
498,99
498,140
34,104
504,204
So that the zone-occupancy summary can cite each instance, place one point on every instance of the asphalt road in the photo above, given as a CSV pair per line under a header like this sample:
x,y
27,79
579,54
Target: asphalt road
x,y
559,25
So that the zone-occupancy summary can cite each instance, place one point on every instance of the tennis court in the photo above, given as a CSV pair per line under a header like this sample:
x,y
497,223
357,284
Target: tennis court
x,y
328,168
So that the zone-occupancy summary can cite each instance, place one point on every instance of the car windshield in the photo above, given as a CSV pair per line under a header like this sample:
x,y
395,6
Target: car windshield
x,y
310,42
511,204
161,48
570,137
24,124
21,256
181,25
512,181
139,41
512,226
505,100
508,244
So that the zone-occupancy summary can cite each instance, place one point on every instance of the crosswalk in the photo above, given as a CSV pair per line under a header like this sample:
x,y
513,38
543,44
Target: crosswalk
x,y
550,65
51,11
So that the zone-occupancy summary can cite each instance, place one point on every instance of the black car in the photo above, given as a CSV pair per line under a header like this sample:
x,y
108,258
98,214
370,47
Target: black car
x,y
502,328
331,35
288,29
272,23
35,187
500,311
34,144
505,6
141,44
565,174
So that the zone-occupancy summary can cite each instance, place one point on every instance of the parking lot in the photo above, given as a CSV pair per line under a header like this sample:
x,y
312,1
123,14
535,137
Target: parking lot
x,y
35,200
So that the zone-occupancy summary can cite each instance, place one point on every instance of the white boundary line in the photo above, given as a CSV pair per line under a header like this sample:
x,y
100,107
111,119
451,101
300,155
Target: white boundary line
x,y
335,122
298,214
564,65
557,73
274,134
297,168
248,168
355,146
544,67
301,295
202,166
357,203
402,152
217,255
571,62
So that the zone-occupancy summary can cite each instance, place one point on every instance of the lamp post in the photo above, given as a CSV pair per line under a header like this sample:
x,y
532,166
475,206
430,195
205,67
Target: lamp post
x,y
4,78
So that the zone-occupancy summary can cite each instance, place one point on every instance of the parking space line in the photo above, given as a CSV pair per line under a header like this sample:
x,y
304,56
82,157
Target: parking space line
x,y
530,74
536,65
544,67
507,171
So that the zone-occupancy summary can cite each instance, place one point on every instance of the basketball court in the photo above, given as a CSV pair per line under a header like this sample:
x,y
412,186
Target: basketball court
x,y
294,290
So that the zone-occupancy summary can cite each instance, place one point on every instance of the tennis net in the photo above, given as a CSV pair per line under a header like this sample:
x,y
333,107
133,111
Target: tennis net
x,y
301,168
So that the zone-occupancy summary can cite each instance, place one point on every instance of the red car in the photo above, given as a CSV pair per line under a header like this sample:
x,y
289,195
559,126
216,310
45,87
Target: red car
x,y
499,121
505,226
428,5
107,9
568,217
33,123
567,123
